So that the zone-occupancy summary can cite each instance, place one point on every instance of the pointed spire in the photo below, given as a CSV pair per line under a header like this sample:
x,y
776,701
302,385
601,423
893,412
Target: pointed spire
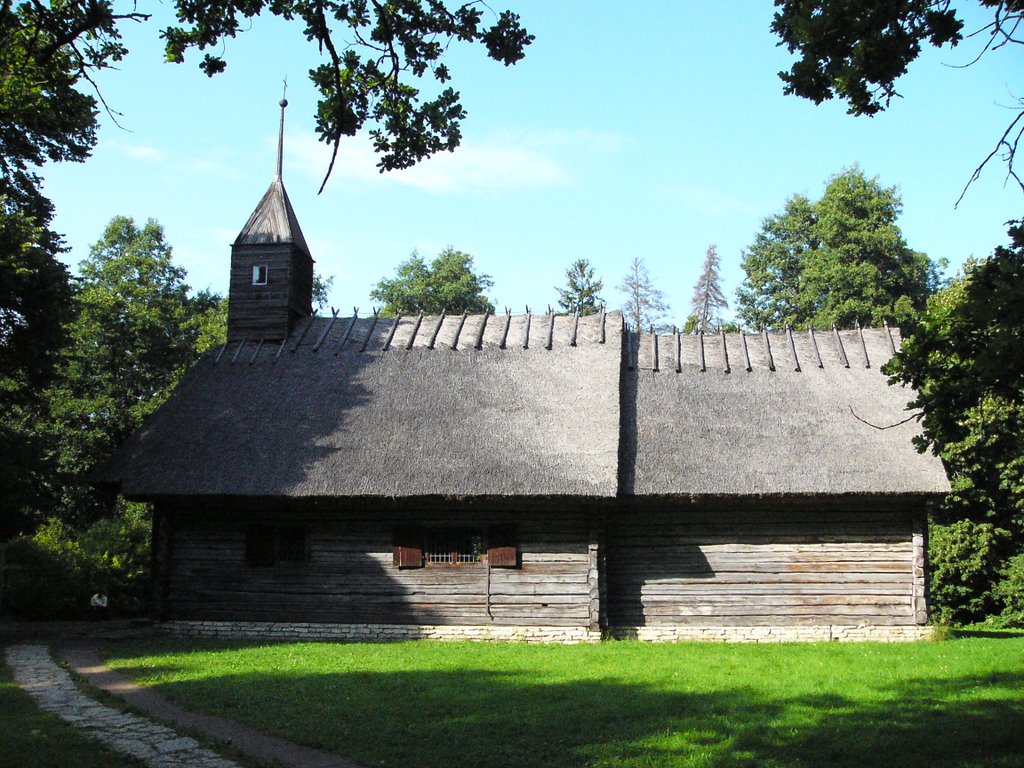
x,y
274,219
280,135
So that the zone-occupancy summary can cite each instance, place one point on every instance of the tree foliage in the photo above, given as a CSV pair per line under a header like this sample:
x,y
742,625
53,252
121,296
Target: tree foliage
x,y
47,50
448,284
134,334
582,290
34,305
645,305
856,51
374,52
708,299
839,260
965,362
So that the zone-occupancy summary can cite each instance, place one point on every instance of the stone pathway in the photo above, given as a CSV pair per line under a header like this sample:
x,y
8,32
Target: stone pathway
x,y
54,691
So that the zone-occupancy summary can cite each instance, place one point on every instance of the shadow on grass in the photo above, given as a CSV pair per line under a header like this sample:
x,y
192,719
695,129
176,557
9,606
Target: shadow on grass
x,y
508,718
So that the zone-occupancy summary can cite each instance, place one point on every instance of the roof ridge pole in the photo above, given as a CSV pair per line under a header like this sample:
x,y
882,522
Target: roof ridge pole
x,y
478,342
526,328
415,330
458,331
437,329
863,345
348,331
216,360
504,331
330,324
746,352
254,354
842,350
551,329
888,333
305,330
600,337
391,334
654,349
725,352
369,333
768,348
814,346
792,348
575,328
238,351
700,350
679,350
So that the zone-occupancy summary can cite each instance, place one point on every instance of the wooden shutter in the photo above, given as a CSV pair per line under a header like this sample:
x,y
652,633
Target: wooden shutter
x,y
408,548
502,548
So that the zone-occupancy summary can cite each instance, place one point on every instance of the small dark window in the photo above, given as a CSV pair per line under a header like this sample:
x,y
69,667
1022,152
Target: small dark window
x,y
268,545
259,274
259,546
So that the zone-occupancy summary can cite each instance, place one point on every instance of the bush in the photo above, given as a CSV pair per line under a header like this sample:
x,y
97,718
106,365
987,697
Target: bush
x,y
1009,591
54,573
964,559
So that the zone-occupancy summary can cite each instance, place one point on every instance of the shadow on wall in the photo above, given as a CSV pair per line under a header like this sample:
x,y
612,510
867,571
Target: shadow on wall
x,y
661,716
643,580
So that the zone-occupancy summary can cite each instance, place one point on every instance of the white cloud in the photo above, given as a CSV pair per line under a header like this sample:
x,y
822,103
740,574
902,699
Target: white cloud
x,y
498,165
175,163
143,152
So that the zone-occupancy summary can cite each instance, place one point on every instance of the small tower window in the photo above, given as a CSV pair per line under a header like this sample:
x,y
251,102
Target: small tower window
x,y
259,274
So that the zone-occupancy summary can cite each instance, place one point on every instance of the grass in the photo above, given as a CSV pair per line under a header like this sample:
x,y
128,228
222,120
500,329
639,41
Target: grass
x,y
954,703
32,737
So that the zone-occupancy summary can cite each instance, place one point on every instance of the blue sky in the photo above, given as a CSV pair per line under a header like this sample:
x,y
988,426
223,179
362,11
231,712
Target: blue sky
x,y
648,130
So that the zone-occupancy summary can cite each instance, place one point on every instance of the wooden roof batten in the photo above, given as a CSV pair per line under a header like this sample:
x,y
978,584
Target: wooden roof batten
x,y
755,351
662,353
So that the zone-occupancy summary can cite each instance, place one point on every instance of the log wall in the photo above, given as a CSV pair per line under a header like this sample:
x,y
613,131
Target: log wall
x,y
751,568
350,578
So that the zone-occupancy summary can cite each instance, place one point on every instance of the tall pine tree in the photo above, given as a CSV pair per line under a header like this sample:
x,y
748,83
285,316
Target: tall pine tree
x,y
582,289
708,299
645,305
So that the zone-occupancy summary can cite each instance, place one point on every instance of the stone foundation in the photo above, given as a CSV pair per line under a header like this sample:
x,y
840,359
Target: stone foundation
x,y
795,634
265,630
340,632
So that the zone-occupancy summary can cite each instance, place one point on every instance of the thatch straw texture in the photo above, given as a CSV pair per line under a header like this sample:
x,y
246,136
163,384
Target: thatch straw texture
x,y
340,422
532,406
822,430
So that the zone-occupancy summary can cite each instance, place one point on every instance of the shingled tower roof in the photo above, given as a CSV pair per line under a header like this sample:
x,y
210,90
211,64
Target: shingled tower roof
x,y
274,219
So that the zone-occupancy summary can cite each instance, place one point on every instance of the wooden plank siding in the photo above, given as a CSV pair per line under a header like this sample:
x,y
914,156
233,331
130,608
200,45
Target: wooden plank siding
x,y
268,311
764,568
350,576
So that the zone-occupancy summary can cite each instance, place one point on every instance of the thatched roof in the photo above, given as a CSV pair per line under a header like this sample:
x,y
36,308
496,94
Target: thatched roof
x,y
774,413
531,406
330,413
273,221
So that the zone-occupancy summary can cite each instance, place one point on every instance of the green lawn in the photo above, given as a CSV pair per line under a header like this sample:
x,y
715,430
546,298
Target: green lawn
x,y
954,703
32,737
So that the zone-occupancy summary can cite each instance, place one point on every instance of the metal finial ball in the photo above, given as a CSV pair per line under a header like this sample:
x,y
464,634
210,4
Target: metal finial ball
x,y
283,103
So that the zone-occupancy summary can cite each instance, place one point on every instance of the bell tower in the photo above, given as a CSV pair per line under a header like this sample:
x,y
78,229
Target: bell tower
x,y
271,268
